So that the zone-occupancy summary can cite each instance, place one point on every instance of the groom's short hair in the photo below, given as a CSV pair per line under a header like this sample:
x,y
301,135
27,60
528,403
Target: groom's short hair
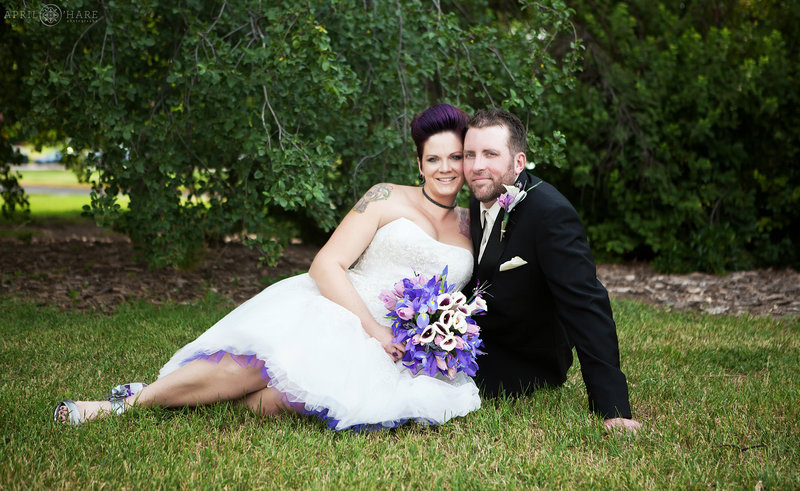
x,y
517,136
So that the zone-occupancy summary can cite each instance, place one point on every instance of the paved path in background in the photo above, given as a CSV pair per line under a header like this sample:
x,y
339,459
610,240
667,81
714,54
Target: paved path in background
x,y
34,166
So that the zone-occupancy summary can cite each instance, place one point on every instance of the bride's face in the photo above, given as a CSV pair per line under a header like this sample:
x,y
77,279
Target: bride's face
x,y
442,164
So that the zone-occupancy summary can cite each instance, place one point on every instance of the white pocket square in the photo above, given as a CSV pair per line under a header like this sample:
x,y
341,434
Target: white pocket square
x,y
512,263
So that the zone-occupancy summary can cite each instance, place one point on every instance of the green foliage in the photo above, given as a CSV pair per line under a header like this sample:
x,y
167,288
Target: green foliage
x,y
676,145
256,119
684,130
12,194
14,197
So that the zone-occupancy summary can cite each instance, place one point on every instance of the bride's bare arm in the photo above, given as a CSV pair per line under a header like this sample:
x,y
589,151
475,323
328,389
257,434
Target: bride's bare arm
x,y
348,241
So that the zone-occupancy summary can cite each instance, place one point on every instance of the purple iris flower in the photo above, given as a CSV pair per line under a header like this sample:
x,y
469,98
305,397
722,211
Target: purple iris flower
x,y
415,309
431,369
505,200
423,319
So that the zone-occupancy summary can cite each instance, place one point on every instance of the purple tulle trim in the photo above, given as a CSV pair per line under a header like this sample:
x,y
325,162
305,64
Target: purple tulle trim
x,y
248,361
244,361
363,427
322,414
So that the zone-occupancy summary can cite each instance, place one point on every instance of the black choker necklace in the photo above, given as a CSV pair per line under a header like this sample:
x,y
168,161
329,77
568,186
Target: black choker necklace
x,y
436,202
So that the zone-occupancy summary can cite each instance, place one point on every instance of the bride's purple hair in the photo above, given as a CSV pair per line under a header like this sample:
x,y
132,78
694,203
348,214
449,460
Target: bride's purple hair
x,y
437,119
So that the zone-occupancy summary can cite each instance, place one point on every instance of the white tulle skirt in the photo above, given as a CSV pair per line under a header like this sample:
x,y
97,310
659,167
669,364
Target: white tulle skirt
x,y
317,354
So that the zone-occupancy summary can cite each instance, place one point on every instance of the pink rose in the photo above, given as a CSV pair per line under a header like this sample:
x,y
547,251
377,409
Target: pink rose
x,y
473,329
388,298
405,313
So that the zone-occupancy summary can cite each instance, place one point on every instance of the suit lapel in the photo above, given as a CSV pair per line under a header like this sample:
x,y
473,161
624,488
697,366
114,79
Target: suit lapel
x,y
475,229
494,248
475,222
523,181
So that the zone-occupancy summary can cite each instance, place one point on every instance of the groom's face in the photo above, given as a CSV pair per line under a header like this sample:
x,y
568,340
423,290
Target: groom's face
x,y
488,162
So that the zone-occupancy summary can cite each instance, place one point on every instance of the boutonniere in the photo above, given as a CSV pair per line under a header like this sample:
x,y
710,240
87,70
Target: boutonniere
x,y
509,200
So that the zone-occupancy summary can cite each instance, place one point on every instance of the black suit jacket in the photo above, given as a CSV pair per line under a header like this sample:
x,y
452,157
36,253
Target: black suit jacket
x,y
539,311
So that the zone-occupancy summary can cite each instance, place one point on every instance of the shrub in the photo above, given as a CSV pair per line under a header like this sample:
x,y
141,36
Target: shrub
x,y
683,133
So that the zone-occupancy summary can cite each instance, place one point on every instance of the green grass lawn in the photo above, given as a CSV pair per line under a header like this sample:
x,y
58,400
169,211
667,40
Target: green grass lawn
x,y
50,178
56,205
718,397
47,209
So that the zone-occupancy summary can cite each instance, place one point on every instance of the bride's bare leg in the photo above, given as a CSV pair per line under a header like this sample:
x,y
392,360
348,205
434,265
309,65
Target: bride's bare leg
x,y
195,383
269,401
201,382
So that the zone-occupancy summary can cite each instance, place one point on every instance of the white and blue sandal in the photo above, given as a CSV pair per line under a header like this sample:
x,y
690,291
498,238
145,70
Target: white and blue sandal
x,y
116,397
118,394
74,416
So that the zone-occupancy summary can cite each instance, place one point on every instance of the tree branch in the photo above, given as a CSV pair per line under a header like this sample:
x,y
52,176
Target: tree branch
x,y
72,54
475,70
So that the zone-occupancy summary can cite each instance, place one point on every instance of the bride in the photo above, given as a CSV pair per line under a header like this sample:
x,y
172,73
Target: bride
x,y
318,343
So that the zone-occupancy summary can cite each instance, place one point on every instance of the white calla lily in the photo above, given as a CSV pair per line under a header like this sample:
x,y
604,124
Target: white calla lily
x,y
447,318
459,299
445,301
478,304
460,322
511,190
428,334
441,329
517,199
448,343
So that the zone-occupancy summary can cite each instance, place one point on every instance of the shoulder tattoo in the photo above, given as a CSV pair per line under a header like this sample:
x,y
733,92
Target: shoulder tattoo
x,y
463,222
377,192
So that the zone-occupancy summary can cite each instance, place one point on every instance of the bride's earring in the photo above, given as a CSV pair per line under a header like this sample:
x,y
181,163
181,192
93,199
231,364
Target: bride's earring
x,y
421,179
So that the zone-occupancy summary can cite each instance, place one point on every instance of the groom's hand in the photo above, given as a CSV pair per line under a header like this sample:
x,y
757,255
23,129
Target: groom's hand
x,y
628,425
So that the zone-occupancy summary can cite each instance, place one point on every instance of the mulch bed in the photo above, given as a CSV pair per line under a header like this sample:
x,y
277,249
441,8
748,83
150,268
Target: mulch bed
x,y
83,267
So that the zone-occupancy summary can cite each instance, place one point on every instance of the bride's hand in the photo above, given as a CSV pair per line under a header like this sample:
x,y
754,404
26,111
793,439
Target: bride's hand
x,y
394,350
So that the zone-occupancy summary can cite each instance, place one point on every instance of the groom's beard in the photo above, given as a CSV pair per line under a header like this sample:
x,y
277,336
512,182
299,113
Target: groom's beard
x,y
490,193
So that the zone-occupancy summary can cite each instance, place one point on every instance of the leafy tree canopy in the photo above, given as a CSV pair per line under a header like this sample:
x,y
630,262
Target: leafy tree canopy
x,y
256,118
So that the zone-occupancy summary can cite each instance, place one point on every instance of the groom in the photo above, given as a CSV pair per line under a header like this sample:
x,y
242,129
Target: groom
x,y
542,292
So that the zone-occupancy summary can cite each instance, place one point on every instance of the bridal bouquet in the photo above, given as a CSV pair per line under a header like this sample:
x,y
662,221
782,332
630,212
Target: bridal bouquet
x,y
436,325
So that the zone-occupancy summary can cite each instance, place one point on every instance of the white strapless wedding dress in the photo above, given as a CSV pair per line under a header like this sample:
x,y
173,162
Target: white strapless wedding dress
x,y
317,354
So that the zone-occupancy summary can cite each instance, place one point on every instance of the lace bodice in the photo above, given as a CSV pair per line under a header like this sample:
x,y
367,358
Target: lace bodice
x,y
399,250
